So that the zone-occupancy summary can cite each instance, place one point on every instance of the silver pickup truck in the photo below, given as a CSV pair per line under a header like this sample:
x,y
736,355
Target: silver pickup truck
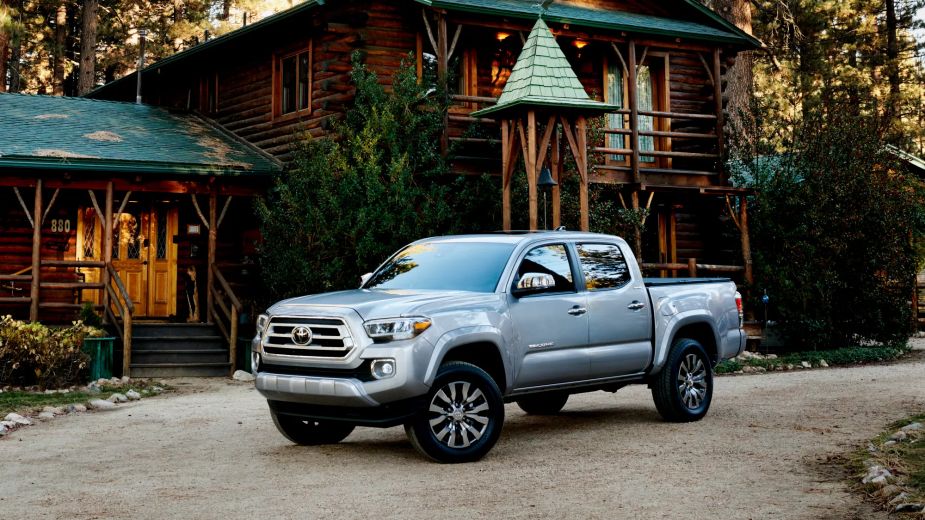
x,y
448,329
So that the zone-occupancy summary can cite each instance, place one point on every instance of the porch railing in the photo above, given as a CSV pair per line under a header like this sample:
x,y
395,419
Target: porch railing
x,y
11,285
227,320
691,267
122,302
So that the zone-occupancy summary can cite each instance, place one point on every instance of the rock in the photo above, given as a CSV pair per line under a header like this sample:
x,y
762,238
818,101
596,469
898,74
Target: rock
x,y
99,404
760,369
132,395
126,380
115,381
240,375
75,408
771,356
911,427
18,419
49,392
909,508
877,475
54,410
888,491
45,416
871,448
823,364
900,498
93,388
889,443
102,381
3,430
156,389
118,398
899,436
878,481
805,364
65,391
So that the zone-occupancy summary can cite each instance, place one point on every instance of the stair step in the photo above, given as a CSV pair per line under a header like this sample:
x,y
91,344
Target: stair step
x,y
185,357
180,369
150,330
192,343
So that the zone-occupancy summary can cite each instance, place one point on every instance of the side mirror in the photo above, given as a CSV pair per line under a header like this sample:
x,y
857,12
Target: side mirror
x,y
532,283
365,278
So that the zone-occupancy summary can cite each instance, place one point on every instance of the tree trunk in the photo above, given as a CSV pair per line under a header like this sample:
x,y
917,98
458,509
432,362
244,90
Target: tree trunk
x,y
88,47
739,77
4,56
15,71
892,60
59,57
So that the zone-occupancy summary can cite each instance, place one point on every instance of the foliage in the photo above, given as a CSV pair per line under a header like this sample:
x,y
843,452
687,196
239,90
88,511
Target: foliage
x,y
377,182
33,354
833,224
834,357
89,317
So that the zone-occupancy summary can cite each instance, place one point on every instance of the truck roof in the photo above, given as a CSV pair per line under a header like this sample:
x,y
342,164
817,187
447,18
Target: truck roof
x,y
516,237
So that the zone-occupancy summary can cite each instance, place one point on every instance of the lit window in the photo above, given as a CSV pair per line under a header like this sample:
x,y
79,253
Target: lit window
x,y
294,83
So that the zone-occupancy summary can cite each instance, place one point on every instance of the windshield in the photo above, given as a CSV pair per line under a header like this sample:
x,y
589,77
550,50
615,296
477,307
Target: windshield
x,y
447,266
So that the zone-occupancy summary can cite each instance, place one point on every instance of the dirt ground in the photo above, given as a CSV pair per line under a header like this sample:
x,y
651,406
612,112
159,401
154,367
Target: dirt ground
x,y
211,451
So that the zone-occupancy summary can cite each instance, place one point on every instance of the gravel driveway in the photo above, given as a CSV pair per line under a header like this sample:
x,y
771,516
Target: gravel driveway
x,y
212,452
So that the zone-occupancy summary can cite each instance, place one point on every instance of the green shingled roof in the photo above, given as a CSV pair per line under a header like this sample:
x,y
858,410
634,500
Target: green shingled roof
x,y
543,77
720,30
76,134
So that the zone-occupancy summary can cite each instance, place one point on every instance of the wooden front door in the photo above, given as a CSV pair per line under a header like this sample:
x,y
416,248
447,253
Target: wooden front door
x,y
145,256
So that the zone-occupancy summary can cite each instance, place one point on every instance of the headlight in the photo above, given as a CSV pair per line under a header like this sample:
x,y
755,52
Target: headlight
x,y
396,328
262,321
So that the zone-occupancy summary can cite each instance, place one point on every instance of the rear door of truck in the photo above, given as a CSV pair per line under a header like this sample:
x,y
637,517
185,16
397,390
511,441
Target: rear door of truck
x,y
619,313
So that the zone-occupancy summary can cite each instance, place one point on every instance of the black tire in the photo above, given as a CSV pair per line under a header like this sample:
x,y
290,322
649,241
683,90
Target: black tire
x,y
309,432
683,389
467,412
543,404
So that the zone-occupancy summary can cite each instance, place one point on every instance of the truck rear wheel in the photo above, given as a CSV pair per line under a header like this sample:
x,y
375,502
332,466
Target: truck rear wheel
x,y
543,404
463,418
309,432
684,388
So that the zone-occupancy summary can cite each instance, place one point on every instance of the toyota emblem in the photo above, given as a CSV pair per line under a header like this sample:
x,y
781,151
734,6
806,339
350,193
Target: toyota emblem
x,y
301,335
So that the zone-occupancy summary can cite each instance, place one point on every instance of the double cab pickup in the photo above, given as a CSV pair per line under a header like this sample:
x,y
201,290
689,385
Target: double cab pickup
x,y
449,329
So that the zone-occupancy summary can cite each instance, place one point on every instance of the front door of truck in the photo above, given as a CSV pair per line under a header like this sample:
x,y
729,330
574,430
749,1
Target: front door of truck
x,y
619,317
551,327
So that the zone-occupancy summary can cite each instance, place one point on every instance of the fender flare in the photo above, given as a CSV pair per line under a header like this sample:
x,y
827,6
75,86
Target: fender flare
x,y
677,322
462,336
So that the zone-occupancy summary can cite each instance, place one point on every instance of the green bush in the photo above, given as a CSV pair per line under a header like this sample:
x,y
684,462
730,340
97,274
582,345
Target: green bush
x,y
834,223
33,354
377,182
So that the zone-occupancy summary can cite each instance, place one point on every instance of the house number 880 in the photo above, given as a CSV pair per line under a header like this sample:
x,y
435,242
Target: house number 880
x,y
60,225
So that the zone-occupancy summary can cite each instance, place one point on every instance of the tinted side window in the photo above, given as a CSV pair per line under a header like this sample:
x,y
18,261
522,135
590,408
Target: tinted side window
x,y
551,259
603,265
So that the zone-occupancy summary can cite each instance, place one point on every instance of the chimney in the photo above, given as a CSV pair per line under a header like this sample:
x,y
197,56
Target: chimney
x,y
141,62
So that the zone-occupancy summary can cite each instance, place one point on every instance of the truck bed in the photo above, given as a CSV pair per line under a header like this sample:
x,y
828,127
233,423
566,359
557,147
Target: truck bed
x,y
662,282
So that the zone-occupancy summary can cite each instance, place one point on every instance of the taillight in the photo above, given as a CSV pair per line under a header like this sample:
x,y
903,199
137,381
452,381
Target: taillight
x,y
739,308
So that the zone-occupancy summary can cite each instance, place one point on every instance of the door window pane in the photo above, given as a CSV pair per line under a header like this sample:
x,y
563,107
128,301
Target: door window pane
x,y
161,233
553,260
645,103
603,265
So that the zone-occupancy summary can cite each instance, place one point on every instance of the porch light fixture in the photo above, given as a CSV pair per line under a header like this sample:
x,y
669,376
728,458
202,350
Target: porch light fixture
x,y
502,36
579,43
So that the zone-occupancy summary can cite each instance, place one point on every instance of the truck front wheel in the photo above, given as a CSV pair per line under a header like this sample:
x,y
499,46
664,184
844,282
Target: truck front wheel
x,y
463,418
309,432
684,388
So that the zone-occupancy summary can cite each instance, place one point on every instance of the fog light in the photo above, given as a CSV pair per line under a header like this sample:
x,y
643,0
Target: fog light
x,y
383,368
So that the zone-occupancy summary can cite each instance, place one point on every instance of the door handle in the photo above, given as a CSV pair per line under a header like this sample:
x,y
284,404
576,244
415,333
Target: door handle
x,y
577,311
636,305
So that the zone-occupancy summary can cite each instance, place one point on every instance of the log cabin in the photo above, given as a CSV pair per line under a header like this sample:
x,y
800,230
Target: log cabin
x,y
657,67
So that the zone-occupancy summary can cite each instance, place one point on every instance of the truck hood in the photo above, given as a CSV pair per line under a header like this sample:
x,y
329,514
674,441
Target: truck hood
x,y
378,303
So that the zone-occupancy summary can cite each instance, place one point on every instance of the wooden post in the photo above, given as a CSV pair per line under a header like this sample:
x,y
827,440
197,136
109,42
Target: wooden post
x,y
637,234
442,72
531,167
634,111
746,239
127,343
36,251
233,338
107,219
692,267
555,164
506,153
720,122
584,211
213,232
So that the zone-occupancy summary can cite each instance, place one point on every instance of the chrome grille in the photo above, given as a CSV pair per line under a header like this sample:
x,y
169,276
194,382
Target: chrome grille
x,y
330,337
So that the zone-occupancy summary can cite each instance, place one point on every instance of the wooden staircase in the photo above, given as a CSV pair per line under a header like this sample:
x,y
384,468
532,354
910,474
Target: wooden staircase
x,y
178,350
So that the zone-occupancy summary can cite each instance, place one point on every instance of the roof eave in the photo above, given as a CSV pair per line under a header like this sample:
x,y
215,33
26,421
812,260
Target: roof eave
x,y
589,106
129,167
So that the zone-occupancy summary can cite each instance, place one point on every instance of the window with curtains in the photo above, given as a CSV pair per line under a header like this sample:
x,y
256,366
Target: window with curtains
x,y
648,99
292,82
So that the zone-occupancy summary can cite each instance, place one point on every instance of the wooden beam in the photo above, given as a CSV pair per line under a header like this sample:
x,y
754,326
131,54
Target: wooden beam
x,y
746,240
544,144
430,32
124,203
531,168
36,252
443,67
213,232
634,112
573,144
718,98
199,211
107,239
224,210
505,178
556,167
449,55
24,207
581,128
51,203
707,68
619,55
